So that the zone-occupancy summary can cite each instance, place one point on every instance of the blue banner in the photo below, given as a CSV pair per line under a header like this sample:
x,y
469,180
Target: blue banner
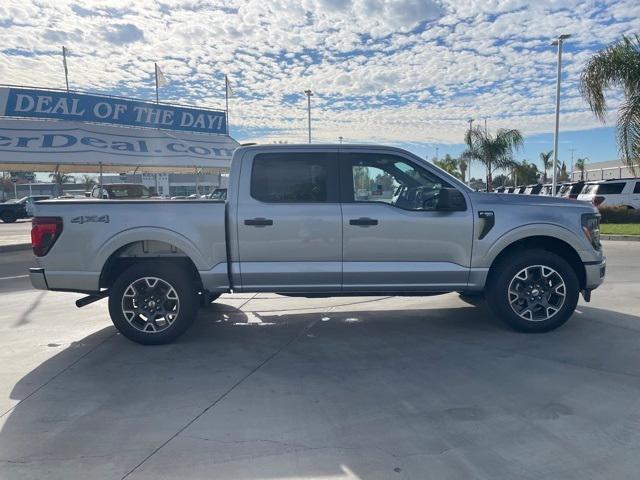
x,y
81,107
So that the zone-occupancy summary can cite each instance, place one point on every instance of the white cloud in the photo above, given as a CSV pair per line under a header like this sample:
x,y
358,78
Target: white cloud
x,y
382,70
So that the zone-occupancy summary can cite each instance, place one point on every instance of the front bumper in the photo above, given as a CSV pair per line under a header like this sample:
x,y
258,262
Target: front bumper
x,y
38,280
595,273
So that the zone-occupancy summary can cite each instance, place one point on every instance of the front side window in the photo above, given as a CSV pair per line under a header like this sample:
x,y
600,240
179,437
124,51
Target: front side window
x,y
636,189
393,180
294,178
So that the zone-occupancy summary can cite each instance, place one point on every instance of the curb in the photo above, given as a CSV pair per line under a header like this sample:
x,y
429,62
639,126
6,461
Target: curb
x,y
626,238
15,247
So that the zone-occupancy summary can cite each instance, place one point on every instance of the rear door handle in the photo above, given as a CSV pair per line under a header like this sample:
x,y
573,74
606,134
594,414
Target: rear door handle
x,y
363,221
259,222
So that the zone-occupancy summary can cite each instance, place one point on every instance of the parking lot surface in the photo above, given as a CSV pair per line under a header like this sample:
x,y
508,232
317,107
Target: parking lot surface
x,y
268,387
14,233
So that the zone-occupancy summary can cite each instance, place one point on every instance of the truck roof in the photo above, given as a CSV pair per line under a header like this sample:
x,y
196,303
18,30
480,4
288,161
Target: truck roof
x,y
320,146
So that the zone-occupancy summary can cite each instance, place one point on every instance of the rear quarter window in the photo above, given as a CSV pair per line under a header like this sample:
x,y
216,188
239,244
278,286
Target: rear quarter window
x,y
295,178
610,188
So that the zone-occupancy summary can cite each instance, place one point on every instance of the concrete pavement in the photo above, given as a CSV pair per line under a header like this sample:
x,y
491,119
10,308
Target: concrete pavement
x,y
266,387
15,236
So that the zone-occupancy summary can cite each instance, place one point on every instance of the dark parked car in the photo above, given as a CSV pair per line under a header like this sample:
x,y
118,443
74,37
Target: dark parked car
x,y
13,210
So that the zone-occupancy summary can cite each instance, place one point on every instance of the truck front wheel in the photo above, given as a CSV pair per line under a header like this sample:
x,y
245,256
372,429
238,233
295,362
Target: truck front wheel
x,y
153,302
533,291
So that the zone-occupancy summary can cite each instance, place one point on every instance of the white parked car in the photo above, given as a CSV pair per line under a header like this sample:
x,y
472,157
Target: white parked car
x,y
612,193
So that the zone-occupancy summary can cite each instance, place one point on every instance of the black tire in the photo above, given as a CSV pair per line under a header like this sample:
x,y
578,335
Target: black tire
x,y
207,298
8,216
184,290
472,298
498,295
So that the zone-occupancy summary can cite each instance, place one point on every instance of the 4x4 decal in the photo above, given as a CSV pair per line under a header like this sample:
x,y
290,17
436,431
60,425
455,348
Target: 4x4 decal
x,y
90,219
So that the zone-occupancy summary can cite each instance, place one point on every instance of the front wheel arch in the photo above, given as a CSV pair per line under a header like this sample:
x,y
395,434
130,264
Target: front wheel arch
x,y
550,244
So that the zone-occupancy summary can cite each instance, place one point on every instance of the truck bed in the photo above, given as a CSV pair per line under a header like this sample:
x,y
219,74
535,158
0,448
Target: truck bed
x,y
96,230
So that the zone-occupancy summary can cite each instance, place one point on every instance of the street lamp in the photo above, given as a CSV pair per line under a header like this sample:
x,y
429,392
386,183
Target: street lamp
x,y
559,41
309,94
470,121
340,138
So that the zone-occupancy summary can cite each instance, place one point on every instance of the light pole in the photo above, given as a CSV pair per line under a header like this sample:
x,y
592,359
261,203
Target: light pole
x,y
559,41
571,169
470,121
309,94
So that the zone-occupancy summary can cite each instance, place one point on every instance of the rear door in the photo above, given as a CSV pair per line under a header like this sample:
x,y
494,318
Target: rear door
x,y
394,239
289,222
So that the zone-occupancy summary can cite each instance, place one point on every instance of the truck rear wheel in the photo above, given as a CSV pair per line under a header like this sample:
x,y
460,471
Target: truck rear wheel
x,y
533,291
153,302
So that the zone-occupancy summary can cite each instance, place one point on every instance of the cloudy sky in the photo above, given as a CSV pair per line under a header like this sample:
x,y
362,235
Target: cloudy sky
x,y
403,72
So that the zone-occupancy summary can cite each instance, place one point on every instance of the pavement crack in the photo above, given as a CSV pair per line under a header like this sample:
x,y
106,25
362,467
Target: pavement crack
x,y
224,395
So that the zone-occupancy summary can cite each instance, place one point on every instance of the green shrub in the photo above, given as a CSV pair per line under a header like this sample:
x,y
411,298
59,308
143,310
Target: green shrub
x,y
619,215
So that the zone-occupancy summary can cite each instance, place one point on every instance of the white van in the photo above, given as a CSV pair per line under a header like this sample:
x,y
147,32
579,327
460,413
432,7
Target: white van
x,y
612,193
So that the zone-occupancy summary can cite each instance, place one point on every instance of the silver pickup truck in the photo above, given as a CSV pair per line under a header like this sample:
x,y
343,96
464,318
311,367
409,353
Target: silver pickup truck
x,y
323,220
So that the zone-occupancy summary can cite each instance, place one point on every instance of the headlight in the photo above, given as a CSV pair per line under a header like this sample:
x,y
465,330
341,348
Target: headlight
x,y
591,228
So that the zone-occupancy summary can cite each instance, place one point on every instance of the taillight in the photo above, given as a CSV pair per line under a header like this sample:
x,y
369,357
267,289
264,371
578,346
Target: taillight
x,y
597,201
44,233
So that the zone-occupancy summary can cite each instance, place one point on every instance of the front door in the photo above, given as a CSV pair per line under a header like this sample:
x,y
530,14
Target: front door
x,y
394,239
290,223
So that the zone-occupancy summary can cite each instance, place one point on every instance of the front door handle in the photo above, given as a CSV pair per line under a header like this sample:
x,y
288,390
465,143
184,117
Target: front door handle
x,y
259,222
363,221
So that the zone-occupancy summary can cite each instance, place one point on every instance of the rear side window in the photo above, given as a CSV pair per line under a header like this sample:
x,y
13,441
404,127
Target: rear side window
x,y
636,189
295,178
610,188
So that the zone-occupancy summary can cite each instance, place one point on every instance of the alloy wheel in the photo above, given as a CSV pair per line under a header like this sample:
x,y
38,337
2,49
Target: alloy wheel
x,y
537,293
150,304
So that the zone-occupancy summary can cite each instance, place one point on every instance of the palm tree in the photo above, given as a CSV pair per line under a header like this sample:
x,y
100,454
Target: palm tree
x,y
581,165
524,172
495,152
60,179
88,181
545,158
462,167
617,65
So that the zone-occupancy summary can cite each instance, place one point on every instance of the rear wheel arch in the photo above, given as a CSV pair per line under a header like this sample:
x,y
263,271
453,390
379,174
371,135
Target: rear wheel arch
x,y
137,252
550,244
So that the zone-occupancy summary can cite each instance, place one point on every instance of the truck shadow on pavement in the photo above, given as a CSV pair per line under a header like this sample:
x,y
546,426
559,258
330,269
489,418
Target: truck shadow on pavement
x,y
332,395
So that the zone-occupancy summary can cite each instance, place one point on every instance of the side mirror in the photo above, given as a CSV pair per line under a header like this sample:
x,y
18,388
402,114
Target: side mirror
x,y
451,200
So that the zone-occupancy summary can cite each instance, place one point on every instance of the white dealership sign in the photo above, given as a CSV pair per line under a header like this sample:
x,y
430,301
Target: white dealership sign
x,y
51,143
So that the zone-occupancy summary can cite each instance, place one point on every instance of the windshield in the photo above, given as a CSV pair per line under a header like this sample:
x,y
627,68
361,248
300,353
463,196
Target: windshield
x,y
219,194
565,189
590,188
